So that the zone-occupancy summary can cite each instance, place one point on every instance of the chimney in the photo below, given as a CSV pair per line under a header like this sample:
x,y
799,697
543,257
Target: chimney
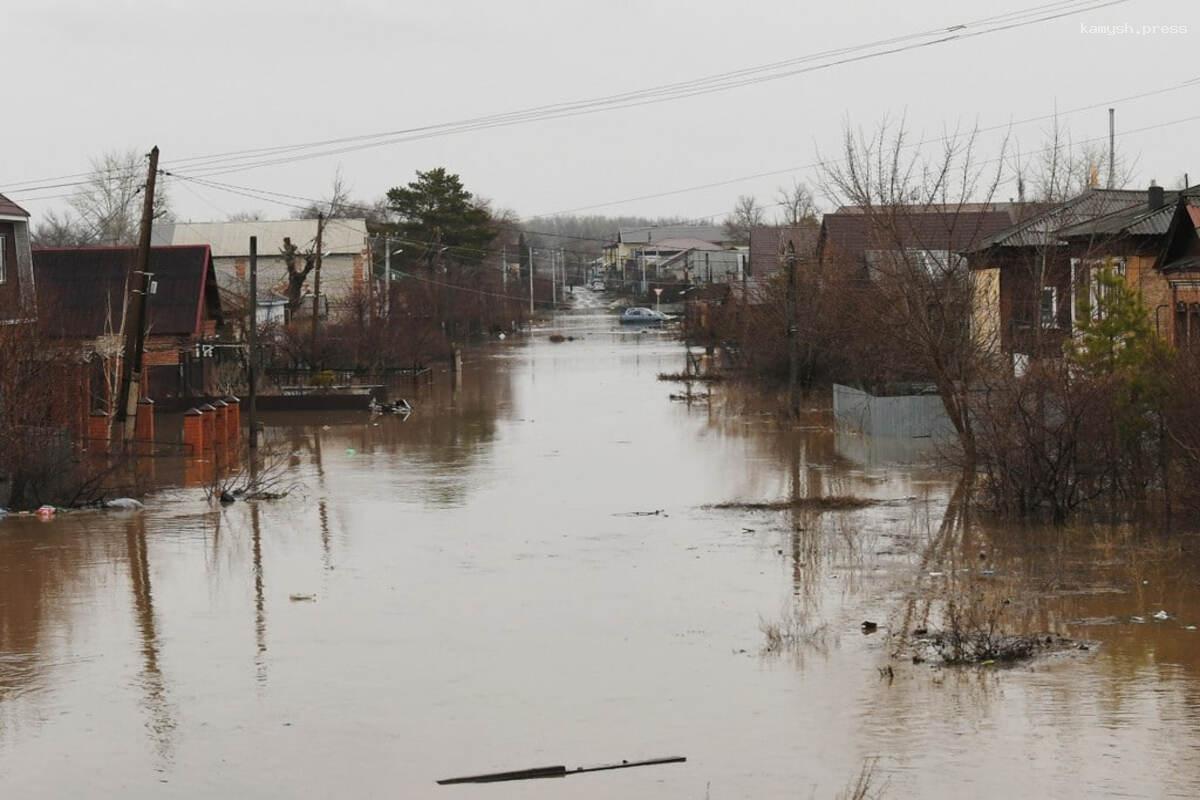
x,y
1155,197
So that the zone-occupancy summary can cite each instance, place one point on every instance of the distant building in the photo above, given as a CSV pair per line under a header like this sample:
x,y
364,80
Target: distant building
x,y
630,242
17,295
345,266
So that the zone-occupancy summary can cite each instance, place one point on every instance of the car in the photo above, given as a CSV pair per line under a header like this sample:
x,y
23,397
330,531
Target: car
x,y
597,285
642,316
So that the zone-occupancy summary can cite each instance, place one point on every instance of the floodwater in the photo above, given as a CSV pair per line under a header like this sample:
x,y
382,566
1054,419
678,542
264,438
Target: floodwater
x,y
488,593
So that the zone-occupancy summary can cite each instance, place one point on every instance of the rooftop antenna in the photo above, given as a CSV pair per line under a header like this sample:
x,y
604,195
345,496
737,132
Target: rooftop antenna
x,y
1112,138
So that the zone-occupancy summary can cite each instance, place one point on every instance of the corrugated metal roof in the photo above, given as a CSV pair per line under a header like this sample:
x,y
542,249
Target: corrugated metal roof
x,y
683,244
1041,227
81,290
11,209
1134,220
232,239
707,233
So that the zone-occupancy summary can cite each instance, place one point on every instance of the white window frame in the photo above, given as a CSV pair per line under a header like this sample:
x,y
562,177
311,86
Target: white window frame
x,y
1093,267
3,260
1052,320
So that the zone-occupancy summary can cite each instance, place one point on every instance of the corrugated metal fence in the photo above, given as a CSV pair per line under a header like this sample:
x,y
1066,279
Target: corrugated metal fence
x,y
919,416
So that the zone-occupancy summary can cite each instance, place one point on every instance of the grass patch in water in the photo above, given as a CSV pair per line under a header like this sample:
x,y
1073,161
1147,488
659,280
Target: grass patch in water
x,y
830,503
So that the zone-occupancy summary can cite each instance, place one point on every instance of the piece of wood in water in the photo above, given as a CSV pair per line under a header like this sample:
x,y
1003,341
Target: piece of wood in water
x,y
558,771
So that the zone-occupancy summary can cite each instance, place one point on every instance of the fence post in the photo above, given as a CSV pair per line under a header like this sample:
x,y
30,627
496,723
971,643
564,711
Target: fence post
x,y
143,432
221,425
209,420
193,431
97,432
234,422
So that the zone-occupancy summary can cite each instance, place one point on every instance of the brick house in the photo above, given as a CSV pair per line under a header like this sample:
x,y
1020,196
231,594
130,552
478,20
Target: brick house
x,y
81,295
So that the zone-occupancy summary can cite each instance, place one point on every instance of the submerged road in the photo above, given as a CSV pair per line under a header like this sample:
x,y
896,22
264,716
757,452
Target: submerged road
x,y
525,572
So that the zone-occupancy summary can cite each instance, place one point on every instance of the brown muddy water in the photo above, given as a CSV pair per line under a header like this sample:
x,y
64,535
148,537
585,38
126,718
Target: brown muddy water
x,y
485,599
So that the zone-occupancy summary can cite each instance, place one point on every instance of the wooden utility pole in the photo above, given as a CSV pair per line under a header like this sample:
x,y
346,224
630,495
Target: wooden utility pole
x,y
138,283
531,286
792,338
252,335
316,304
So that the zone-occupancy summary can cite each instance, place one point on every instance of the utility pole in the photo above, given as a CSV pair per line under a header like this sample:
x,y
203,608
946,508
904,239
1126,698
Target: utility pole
x,y
387,277
138,282
793,352
317,291
252,335
1112,138
553,277
504,269
531,286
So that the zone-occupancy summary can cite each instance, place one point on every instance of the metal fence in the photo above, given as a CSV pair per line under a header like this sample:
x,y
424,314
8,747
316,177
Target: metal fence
x,y
910,416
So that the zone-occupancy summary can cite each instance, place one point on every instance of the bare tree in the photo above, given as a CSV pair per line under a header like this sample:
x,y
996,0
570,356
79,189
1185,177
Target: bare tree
x,y
60,229
299,264
797,204
917,289
109,204
746,214
1062,168
252,215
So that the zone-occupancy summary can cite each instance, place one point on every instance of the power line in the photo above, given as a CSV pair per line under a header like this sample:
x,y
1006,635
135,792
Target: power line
x,y
285,199
240,160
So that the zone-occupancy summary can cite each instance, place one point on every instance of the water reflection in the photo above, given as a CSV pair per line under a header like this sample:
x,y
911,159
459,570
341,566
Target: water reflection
x,y
155,702
484,599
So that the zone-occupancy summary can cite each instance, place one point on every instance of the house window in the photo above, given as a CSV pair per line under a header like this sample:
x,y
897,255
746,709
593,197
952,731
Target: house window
x,y
3,263
1049,307
1086,290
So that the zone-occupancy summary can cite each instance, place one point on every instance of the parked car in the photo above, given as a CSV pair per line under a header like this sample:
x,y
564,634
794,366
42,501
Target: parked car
x,y
641,316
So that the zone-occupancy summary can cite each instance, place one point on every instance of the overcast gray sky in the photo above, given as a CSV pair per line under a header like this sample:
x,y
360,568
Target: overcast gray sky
x,y
217,76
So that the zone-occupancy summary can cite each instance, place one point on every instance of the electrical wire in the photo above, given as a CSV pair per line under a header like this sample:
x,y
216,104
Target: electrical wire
x,y
240,160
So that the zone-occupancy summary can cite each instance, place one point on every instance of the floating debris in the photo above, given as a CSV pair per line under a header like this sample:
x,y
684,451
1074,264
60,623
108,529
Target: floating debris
x,y
534,773
124,504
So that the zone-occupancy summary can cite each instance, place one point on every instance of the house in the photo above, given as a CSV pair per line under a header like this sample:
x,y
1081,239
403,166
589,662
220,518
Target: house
x,y
622,253
1023,273
1035,278
81,295
17,297
345,263
1153,245
769,246
859,240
